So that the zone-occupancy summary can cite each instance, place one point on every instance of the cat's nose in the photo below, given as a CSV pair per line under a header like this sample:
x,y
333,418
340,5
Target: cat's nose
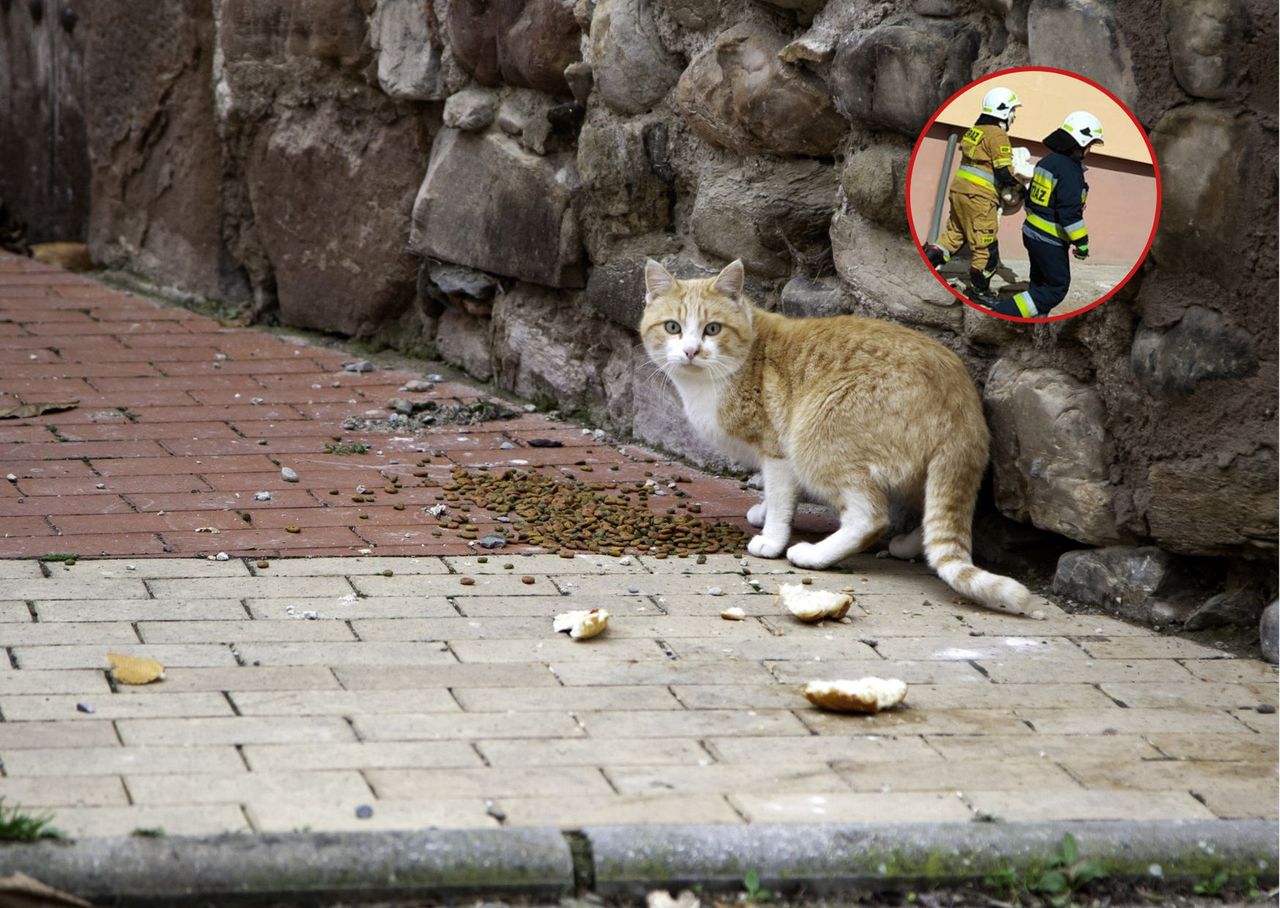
x,y
691,351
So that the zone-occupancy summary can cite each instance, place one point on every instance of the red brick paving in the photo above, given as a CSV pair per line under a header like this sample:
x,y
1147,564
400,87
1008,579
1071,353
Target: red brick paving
x,y
182,419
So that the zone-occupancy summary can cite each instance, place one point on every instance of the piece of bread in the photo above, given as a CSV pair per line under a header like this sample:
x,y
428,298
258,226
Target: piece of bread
x,y
733,613
865,695
582,625
813,605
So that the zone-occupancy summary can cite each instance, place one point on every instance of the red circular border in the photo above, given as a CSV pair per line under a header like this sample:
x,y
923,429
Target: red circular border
x,y
1155,221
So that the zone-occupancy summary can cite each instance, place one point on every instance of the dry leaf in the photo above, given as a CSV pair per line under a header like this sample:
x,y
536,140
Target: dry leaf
x,y
21,891
26,411
72,256
135,669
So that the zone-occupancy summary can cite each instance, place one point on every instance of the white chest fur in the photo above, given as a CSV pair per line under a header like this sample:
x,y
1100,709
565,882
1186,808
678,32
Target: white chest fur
x,y
701,402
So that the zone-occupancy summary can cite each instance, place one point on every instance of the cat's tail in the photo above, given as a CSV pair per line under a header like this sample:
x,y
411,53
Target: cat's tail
x,y
950,491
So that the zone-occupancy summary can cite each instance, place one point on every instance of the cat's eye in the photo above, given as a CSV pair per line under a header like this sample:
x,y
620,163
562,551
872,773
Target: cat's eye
x,y
672,326
712,328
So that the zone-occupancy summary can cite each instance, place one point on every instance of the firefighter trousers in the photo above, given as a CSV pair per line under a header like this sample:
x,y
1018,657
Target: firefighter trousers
x,y
974,219
1050,281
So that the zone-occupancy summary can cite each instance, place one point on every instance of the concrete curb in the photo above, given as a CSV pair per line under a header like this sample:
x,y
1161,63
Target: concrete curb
x,y
309,867
625,862
825,859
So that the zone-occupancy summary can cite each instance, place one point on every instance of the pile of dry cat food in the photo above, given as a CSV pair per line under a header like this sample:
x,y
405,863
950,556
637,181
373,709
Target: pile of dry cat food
x,y
567,514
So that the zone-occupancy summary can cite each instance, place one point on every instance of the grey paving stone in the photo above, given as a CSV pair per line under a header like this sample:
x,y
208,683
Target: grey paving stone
x,y
506,674
347,608
486,782
585,752
342,702
465,726
140,610
365,755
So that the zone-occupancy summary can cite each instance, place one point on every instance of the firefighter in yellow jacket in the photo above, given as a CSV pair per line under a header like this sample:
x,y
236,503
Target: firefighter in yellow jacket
x,y
985,169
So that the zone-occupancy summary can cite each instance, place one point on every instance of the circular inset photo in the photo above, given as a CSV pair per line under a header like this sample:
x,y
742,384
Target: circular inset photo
x,y
1033,194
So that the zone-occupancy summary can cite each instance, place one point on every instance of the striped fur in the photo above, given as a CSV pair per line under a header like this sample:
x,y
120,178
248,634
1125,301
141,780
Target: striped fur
x,y
862,414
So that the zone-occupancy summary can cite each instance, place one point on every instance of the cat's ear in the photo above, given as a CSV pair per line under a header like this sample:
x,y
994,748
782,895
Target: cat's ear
x,y
656,279
729,282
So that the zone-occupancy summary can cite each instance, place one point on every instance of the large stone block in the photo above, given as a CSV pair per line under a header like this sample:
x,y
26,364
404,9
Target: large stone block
x,y
155,151
1049,452
1204,45
1082,36
887,276
1142,583
1207,161
1202,346
633,71
772,216
525,43
874,181
616,290
410,51
738,94
1200,507
465,341
331,196
489,204
331,31
626,180
548,347
896,75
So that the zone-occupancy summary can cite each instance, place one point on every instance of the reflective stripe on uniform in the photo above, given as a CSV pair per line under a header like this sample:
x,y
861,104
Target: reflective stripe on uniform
x,y
1025,304
1076,231
1045,226
1031,233
974,175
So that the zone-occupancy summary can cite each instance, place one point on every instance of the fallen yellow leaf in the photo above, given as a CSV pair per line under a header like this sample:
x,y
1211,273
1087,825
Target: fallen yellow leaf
x,y
134,669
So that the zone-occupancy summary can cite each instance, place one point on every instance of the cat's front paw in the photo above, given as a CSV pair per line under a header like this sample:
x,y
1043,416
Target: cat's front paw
x,y
755,515
807,555
765,548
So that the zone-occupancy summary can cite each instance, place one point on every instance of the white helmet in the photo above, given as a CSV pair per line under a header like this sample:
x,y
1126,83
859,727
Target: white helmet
x,y
1084,127
999,103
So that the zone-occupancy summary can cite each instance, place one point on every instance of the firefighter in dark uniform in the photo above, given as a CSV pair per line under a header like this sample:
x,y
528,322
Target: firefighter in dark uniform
x,y
1055,217
974,196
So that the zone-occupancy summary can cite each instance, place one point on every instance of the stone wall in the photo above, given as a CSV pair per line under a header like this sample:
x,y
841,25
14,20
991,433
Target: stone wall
x,y
484,178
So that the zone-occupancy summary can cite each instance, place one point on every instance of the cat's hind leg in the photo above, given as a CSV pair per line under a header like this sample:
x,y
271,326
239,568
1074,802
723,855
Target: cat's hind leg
x,y
863,517
780,493
908,545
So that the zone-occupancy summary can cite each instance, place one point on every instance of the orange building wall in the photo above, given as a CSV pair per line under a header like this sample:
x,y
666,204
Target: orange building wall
x,y
1119,213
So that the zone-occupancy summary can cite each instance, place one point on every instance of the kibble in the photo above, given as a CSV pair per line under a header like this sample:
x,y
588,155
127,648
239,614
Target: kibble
x,y
468,581
566,514
526,579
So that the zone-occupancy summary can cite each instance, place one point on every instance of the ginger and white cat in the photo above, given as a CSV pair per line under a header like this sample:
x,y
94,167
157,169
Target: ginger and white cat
x,y
857,413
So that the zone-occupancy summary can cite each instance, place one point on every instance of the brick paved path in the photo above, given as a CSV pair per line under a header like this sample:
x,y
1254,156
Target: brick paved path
x,y
441,703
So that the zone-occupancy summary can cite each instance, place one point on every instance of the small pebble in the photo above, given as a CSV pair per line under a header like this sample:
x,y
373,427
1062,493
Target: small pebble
x,y
363,812
807,581
262,496
434,377
222,556
633,590
733,614
13,478
526,579
360,365
715,591
505,446
288,474
101,485
417,384
492,541
263,564
85,708
1266,709
467,581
